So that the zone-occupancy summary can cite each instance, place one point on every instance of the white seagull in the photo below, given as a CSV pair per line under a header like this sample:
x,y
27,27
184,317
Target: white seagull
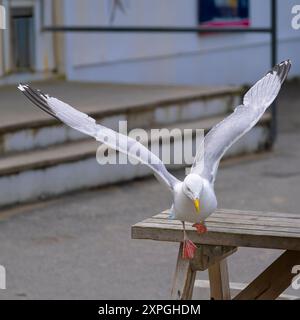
x,y
194,198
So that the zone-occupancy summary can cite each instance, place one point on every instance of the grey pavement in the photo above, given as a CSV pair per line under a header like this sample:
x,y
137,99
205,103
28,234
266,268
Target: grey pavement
x,y
79,246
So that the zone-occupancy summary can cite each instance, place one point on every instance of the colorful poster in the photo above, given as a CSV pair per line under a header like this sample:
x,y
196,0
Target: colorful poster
x,y
224,12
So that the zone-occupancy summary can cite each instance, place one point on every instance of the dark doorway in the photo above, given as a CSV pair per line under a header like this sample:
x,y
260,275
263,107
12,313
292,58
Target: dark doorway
x,y
22,38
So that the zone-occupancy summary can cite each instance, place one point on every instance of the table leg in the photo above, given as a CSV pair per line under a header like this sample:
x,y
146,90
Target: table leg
x,y
274,280
184,279
219,281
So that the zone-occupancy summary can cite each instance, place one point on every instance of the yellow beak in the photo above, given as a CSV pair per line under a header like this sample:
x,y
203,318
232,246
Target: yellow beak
x,y
197,205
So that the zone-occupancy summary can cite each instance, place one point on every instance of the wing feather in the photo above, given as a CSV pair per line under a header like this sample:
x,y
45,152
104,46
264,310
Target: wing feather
x,y
223,135
84,123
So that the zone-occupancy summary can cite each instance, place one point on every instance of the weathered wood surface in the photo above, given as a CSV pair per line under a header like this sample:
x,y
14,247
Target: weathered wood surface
x,y
219,281
229,228
274,280
205,257
184,278
202,289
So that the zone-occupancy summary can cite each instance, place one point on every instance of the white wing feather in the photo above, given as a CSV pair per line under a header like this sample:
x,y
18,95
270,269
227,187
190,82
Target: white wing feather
x,y
83,123
223,135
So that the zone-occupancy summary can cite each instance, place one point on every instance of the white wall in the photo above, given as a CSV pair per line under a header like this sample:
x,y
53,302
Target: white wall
x,y
44,59
173,58
1,53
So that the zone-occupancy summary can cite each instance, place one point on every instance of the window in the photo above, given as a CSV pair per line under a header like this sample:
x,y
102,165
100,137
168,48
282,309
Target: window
x,y
22,38
223,13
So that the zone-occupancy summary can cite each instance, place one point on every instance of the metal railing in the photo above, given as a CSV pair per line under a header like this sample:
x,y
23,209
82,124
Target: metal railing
x,y
272,31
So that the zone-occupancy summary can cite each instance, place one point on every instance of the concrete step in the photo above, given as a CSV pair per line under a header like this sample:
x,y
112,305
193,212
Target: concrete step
x,y
35,174
24,128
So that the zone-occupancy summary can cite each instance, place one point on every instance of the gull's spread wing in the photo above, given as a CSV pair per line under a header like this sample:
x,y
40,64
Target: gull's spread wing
x,y
223,135
83,123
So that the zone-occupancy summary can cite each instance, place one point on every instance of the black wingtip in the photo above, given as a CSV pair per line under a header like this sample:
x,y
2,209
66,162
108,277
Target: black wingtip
x,y
282,69
37,97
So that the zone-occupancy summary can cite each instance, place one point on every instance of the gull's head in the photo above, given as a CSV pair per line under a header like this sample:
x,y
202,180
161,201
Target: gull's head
x,y
192,188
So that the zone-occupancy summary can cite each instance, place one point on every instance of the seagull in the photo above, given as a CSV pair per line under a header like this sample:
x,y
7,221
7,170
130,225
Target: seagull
x,y
194,198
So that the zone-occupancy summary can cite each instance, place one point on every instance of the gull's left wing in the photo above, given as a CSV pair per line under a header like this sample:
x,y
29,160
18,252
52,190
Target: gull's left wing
x,y
223,135
85,124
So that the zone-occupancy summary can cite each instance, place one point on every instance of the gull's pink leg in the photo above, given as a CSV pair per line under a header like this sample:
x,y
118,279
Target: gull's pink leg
x,y
201,227
189,247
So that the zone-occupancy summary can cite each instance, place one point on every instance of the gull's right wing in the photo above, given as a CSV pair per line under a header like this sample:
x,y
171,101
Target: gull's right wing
x,y
85,124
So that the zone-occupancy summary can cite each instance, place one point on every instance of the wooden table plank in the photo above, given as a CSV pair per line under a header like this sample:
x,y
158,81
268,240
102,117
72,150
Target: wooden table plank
x,y
249,219
247,213
295,223
223,227
258,213
222,223
229,227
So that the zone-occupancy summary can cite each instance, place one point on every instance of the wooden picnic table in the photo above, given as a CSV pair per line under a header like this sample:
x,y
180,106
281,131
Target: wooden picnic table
x,y
228,230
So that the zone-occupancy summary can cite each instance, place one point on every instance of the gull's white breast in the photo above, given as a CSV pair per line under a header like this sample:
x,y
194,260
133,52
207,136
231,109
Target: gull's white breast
x,y
184,208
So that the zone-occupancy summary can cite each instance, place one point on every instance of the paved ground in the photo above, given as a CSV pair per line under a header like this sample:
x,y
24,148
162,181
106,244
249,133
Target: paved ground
x,y
79,246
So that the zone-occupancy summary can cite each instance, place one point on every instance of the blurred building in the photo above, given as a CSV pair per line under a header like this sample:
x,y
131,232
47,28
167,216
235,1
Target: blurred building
x,y
41,158
144,58
24,48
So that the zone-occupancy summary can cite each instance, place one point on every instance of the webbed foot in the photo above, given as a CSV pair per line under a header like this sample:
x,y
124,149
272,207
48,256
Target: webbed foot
x,y
200,227
189,249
